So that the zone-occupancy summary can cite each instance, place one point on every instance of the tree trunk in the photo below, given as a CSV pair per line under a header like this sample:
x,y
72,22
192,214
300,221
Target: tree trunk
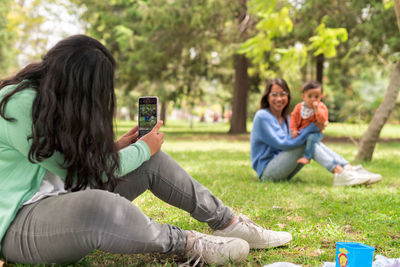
x,y
241,84
163,112
240,92
320,67
371,136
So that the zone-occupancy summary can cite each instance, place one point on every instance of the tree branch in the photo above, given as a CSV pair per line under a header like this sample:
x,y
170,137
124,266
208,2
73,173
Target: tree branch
x,y
397,9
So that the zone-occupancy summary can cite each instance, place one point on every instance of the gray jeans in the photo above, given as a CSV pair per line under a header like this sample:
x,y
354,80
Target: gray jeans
x,y
284,166
65,228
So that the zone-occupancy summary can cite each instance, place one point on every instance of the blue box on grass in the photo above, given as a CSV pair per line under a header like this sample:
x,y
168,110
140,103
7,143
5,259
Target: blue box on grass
x,y
351,254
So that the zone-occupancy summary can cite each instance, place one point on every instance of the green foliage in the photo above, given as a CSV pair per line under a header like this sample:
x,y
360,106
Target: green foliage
x,y
7,33
124,37
275,23
170,48
271,24
182,50
22,37
326,40
165,45
372,42
293,58
380,28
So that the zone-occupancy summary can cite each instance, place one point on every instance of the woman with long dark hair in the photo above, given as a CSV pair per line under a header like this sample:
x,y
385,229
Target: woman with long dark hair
x,y
274,154
66,187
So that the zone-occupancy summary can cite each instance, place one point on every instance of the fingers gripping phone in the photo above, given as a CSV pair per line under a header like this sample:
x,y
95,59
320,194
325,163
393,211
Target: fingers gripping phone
x,y
148,114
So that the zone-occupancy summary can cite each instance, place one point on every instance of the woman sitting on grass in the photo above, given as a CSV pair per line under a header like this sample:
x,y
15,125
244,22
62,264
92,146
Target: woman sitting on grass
x,y
275,154
57,139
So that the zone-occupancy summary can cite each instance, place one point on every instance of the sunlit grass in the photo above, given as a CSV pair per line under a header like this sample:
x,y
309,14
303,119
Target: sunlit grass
x,y
357,130
317,214
183,128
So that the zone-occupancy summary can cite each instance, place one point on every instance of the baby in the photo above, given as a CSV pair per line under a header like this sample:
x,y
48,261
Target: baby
x,y
311,109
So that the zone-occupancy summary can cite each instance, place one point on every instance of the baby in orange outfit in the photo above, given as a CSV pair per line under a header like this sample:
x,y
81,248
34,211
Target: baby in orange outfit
x,y
311,109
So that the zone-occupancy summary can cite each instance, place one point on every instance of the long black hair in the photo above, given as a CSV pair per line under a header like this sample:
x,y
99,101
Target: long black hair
x,y
264,98
73,110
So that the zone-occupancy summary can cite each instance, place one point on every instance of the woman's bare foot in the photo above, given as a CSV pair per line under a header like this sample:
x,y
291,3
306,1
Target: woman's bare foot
x,y
303,160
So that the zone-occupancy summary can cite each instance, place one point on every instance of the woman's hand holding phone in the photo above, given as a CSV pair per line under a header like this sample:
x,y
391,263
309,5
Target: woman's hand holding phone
x,y
154,139
128,138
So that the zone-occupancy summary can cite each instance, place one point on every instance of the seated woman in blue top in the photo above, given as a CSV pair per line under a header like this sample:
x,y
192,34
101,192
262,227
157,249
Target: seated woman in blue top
x,y
274,153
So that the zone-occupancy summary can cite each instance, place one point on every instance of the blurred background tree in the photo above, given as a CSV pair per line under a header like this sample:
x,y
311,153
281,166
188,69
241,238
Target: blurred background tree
x,y
163,47
207,52
385,109
8,36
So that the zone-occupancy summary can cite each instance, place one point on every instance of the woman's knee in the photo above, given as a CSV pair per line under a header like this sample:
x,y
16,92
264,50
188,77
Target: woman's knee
x,y
282,166
156,163
160,158
161,164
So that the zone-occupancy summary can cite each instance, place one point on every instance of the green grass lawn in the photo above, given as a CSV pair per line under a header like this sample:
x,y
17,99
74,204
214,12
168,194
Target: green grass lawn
x,y
316,213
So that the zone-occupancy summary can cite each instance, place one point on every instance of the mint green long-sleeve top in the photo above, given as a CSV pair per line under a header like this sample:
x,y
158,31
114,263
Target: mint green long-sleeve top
x,y
19,178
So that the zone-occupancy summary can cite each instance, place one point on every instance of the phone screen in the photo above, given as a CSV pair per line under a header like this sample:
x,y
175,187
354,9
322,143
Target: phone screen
x,y
148,114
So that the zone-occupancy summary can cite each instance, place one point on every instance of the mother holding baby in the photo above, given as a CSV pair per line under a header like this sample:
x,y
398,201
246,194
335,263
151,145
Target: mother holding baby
x,y
277,156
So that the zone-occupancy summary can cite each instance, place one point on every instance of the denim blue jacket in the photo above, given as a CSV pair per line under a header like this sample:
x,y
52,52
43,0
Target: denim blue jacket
x,y
269,137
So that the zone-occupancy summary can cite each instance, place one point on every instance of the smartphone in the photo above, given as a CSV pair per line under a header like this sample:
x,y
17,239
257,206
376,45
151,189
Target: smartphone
x,y
148,114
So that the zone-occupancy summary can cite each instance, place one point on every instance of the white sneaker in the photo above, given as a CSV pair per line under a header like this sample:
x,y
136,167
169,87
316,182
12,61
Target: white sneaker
x,y
214,249
350,177
373,177
255,235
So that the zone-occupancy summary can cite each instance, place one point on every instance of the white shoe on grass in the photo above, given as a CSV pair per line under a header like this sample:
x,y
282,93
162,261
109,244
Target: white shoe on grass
x,y
373,177
350,177
214,249
255,235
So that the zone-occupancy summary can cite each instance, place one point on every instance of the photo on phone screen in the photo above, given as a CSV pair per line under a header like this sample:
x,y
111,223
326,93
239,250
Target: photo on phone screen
x,y
148,114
